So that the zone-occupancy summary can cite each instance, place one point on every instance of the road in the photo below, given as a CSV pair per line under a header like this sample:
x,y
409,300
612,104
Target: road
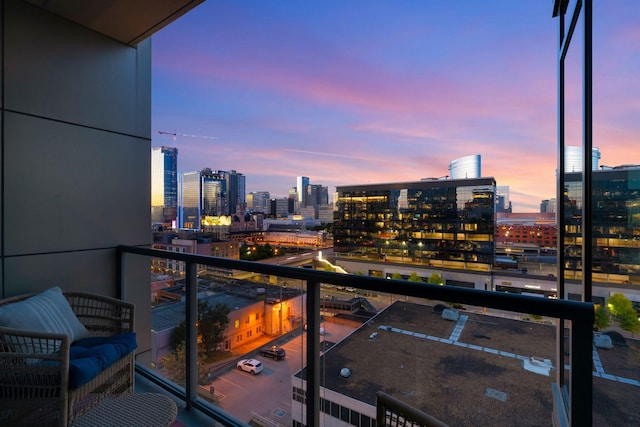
x,y
268,394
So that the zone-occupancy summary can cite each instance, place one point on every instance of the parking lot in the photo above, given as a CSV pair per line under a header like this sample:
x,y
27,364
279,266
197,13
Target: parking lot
x,y
267,394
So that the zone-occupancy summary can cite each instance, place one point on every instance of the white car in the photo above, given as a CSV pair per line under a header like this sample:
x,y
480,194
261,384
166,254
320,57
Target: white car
x,y
250,365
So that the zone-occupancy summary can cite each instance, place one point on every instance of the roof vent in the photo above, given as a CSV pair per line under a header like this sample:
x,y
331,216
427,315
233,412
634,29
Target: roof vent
x,y
345,372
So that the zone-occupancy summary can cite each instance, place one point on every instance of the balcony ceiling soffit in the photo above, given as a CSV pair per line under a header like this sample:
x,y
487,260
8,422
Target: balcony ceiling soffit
x,y
127,21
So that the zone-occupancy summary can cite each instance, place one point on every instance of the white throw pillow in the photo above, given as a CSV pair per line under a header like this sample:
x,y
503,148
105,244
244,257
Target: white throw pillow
x,y
48,311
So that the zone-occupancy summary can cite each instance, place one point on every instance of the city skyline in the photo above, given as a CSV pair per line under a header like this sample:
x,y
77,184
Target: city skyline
x,y
364,93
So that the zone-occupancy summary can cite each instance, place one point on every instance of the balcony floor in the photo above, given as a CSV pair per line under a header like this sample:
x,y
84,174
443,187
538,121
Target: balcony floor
x,y
190,418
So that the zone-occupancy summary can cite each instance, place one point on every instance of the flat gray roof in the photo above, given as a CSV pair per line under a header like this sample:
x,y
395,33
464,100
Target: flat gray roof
x,y
170,315
468,372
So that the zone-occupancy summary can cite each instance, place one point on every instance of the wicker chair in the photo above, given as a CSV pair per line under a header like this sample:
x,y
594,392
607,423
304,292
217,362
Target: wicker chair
x,y
34,385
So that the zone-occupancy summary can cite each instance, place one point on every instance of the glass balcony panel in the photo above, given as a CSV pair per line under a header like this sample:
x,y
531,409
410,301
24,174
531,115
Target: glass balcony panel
x,y
410,344
244,366
431,355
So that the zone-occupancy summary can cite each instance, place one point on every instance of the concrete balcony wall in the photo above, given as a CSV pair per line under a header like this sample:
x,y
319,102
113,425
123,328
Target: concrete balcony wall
x,y
75,155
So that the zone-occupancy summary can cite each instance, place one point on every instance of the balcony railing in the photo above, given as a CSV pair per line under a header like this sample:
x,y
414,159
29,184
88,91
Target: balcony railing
x,y
572,402
394,413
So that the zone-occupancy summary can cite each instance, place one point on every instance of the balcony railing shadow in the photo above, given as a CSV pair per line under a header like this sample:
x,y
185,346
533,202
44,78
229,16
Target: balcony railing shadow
x,y
391,412
572,401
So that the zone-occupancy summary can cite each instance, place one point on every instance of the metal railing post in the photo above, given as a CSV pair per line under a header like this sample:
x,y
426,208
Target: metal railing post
x,y
313,354
191,319
581,386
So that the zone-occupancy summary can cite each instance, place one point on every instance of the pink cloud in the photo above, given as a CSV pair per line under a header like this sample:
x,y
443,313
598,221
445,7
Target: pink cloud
x,y
397,121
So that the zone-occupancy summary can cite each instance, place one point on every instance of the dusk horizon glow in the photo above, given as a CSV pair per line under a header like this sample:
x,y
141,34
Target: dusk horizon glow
x,y
361,92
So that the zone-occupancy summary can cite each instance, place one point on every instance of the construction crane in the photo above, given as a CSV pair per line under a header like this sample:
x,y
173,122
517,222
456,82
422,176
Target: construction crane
x,y
175,135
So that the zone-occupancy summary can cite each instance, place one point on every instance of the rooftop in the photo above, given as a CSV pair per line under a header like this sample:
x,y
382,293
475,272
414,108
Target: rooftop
x,y
235,294
170,315
424,360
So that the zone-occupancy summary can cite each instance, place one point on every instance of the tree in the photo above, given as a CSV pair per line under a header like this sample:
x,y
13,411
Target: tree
x,y
257,252
413,277
618,304
396,276
174,365
267,251
178,336
435,279
622,309
601,317
212,323
629,320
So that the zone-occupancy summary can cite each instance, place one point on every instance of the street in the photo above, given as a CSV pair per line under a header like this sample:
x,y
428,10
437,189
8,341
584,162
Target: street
x,y
268,394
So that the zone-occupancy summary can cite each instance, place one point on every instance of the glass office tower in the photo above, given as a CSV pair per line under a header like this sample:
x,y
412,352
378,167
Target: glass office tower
x,y
214,201
236,190
190,203
164,185
302,182
438,222
466,167
573,158
616,222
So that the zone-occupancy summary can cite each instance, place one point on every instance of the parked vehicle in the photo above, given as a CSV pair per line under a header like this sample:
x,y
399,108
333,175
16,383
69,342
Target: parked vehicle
x,y
250,365
274,352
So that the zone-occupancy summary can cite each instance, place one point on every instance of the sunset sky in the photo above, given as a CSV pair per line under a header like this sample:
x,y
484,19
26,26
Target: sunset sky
x,y
365,91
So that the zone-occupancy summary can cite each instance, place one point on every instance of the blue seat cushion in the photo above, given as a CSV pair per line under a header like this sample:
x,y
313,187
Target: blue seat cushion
x,y
90,356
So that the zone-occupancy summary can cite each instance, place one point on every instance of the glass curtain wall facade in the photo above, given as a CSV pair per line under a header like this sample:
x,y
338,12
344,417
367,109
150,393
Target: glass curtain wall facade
x,y
210,193
236,190
616,222
302,182
214,195
573,158
465,167
433,222
164,185
258,201
190,200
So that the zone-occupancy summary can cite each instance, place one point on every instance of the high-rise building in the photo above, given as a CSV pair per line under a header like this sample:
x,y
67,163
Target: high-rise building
x,y
548,206
281,207
214,193
190,201
325,213
164,186
317,195
236,190
301,188
210,193
573,158
258,201
467,167
445,220
615,222
503,203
